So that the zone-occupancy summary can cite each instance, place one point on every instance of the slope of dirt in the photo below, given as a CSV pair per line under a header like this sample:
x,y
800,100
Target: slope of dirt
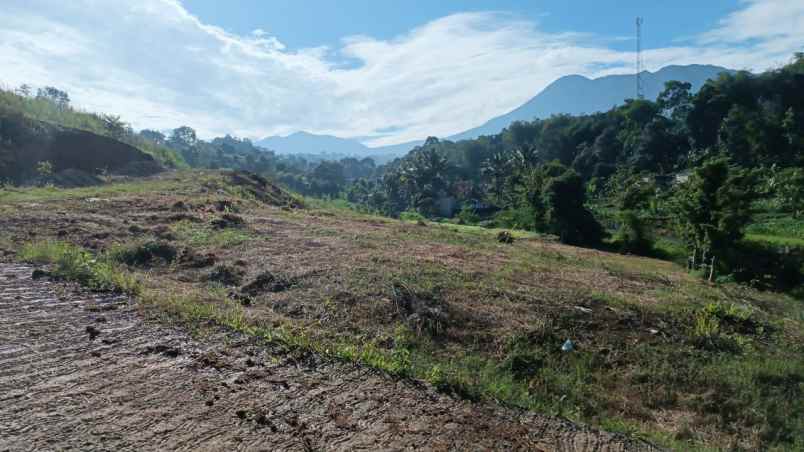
x,y
85,371
76,154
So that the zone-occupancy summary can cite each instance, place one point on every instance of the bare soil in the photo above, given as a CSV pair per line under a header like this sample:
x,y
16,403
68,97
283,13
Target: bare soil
x,y
87,371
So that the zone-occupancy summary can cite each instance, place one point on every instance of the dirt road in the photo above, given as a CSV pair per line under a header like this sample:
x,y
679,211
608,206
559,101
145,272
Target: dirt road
x,y
84,371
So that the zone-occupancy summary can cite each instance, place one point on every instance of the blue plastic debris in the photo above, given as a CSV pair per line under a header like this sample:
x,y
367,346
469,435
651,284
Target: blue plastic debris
x,y
568,346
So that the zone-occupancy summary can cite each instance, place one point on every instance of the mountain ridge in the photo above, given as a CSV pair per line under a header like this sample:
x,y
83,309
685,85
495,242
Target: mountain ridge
x,y
571,94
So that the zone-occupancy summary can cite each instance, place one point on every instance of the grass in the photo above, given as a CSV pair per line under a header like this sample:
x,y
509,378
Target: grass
x,y
72,263
659,354
50,193
777,230
202,235
793,242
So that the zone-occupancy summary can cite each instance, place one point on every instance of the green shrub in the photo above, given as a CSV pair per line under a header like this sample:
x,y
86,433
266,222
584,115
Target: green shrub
x,y
467,215
516,218
411,215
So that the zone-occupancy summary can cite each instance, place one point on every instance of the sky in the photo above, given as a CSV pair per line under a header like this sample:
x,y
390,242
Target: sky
x,y
384,72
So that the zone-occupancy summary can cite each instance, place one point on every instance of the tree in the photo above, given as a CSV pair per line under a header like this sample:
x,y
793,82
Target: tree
x,y
713,206
54,95
327,178
153,135
563,198
183,137
735,136
25,90
632,193
675,101
789,187
185,140
424,177
496,170
45,171
115,126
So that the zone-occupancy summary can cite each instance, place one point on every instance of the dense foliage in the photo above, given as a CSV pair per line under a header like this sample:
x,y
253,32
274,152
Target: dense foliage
x,y
704,159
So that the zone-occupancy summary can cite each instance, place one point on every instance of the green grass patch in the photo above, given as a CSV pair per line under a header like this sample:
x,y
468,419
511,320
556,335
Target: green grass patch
x,y
792,242
50,193
72,263
780,227
201,235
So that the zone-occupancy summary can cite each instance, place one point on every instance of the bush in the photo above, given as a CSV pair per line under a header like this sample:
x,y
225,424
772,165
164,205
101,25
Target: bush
x,y
516,218
411,215
467,215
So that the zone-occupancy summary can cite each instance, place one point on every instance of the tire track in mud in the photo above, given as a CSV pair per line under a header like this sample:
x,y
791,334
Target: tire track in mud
x,y
84,371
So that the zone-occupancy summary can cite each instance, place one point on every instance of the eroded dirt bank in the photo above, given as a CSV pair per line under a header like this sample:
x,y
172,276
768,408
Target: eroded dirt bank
x,y
85,371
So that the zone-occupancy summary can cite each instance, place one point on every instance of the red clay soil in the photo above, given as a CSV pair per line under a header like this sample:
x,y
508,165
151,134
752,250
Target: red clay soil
x,y
86,371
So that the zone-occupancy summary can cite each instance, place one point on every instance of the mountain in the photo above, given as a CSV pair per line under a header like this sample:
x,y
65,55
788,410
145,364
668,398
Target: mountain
x,y
308,143
327,145
572,94
397,150
575,94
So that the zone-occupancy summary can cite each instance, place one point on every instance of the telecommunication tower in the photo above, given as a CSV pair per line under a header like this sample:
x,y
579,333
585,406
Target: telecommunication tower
x,y
639,64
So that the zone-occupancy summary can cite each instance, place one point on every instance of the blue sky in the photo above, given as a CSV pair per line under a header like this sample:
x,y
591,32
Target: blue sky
x,y
386,71
300,24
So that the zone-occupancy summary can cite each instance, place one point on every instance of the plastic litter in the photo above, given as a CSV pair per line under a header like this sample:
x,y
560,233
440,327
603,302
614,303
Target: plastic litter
x,y
568,346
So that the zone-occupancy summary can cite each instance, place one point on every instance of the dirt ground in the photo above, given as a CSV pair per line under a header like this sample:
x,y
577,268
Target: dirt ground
x,y
83,371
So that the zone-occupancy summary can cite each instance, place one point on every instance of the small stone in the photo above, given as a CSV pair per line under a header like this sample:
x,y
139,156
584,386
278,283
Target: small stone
x,y
93,332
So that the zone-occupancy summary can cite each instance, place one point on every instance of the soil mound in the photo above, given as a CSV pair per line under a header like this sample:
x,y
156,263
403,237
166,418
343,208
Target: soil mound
x,y
77,156
263,190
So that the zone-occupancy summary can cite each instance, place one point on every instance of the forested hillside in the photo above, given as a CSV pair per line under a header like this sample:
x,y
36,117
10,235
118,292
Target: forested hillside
x,y
701,165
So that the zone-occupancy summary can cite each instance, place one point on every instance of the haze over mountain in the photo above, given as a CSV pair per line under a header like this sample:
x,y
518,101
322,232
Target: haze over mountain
x,y
572,94
309,143
576,94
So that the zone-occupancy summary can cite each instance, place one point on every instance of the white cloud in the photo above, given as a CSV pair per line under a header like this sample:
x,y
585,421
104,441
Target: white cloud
x,y
158,66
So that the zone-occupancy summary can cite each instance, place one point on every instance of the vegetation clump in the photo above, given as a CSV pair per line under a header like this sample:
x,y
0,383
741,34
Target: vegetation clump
x,y
145,254
505,237
227,275
267,282
229,220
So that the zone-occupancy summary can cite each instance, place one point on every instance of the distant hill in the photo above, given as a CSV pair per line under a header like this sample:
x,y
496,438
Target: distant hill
x,y
576,94
308,143
311,144
573,94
